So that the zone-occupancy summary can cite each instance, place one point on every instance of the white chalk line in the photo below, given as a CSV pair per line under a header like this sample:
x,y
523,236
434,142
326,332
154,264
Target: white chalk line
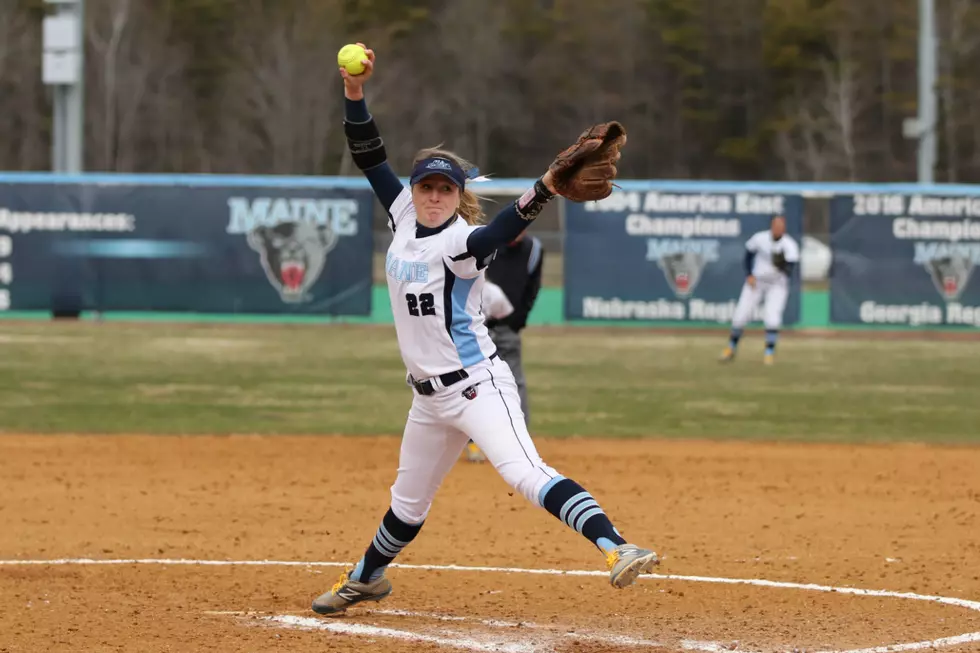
x,y
548,634
453,641
466,642
556,632
944,642
562,631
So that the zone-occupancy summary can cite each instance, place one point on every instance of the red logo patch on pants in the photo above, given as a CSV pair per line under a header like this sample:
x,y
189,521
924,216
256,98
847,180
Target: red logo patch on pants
x,y
470,392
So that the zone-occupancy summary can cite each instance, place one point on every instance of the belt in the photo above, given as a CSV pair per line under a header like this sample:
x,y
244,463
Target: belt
x,y
449,378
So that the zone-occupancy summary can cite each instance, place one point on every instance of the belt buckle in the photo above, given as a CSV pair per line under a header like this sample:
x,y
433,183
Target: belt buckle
x,y
424,388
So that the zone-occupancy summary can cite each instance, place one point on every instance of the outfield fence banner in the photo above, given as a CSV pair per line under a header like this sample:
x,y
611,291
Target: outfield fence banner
x,y
669,256
905,259
210,249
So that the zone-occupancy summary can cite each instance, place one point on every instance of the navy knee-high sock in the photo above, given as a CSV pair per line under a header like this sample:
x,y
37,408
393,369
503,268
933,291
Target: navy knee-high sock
x,y
733,339
393,535
577,509
772,335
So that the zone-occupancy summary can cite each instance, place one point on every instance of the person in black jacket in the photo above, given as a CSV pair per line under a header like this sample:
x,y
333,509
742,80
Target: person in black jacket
x,y
517,270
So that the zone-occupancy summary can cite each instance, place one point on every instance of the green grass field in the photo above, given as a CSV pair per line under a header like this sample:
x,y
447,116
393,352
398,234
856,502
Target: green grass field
x,y
177,378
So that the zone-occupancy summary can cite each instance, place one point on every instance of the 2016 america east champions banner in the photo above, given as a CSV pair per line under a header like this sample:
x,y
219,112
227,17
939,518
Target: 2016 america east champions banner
x,y
905,259
669,256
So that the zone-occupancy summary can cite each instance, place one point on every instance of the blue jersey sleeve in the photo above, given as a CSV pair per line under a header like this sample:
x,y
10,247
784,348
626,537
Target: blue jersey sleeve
x,y
505,227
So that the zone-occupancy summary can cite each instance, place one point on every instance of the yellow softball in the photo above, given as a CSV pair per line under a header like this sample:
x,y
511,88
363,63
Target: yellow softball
x,y
350,57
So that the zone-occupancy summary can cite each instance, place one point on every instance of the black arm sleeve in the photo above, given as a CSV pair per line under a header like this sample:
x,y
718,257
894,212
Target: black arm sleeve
x,y
749,260
368,151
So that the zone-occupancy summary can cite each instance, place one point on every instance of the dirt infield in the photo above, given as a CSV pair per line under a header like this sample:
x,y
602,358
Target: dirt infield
x,y
896,518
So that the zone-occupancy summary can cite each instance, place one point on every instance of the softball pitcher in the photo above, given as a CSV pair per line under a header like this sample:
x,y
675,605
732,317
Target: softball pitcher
x,y
769,260
462,390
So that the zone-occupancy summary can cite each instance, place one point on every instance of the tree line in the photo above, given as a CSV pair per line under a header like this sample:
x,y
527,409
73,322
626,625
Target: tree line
x,y
708,89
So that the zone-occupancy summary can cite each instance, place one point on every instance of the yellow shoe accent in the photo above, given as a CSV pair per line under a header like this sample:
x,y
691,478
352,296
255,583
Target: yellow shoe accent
x,y
611,559
473,453
727,355
768,359
340,583
347,592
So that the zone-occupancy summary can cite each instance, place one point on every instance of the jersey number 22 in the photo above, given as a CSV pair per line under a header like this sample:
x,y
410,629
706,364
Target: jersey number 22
x,y
426,302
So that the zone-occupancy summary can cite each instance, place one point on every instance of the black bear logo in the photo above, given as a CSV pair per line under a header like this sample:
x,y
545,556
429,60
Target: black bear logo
x,y
950,275
293,255
683,271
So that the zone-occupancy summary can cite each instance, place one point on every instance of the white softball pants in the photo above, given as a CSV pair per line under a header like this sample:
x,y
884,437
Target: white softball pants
x,y
773,294
439,426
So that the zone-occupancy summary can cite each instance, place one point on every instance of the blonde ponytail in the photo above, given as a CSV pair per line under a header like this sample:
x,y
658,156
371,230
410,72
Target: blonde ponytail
x,y
470,208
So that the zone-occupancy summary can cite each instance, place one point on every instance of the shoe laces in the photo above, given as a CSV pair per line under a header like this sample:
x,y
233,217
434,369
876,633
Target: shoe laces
x,y
612,558
340,583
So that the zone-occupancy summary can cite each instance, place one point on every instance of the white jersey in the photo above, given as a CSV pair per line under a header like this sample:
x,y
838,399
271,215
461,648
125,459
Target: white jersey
x,y
436,292
764,247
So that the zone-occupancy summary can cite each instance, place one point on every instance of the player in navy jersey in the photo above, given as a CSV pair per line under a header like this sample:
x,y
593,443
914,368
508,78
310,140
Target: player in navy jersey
x,y
435,272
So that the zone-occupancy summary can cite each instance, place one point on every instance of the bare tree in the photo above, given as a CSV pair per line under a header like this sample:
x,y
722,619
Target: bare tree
x,y
24,139
469,107
281,101
842,104
707,88
958,41
134,87
802,146
827,116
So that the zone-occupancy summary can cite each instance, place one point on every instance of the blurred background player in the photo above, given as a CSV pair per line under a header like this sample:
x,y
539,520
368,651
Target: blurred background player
x,y
516,269
496,305
770,257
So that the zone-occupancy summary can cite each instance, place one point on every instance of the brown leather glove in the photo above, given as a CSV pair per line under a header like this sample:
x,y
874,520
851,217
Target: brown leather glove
x,y
585,171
